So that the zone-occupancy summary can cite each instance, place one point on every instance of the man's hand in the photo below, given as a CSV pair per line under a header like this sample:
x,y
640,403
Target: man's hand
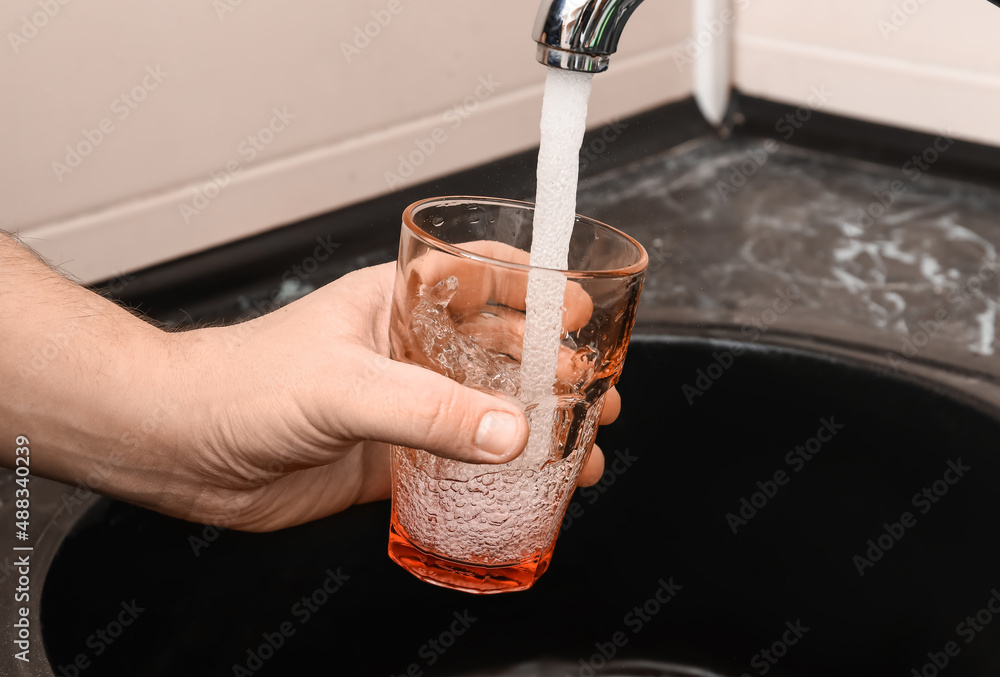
x,y
256,426
304,433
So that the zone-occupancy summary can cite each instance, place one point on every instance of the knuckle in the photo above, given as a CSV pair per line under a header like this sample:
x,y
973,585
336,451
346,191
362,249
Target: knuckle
x,y
436,413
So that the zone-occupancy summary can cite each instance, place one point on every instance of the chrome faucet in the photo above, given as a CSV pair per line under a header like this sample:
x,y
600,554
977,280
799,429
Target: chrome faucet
x,y
580,35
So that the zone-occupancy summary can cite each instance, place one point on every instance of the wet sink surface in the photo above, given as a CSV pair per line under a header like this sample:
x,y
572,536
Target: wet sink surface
x,y
647,567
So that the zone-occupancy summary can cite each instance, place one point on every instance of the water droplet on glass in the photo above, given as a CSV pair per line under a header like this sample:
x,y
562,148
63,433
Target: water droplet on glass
x,y
437,221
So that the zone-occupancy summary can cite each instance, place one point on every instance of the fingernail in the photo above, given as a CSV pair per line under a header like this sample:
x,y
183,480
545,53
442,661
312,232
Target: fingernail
x,y
496,433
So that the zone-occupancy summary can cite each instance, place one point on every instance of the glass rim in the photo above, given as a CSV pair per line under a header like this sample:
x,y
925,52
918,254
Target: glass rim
x,y
408,222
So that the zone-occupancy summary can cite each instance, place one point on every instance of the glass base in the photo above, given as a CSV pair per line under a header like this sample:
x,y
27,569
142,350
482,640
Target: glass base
x,y
454,575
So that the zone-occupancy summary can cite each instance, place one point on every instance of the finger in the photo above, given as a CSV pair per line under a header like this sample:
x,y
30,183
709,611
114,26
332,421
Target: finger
x,y
593,469
415,407
482,283
501,332
513,285
612,407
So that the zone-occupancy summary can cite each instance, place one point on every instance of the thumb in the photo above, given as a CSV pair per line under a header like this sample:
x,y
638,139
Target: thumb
x,y
415,407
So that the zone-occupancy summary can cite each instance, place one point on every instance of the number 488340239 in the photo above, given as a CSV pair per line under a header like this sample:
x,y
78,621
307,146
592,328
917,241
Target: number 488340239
x,y
22,462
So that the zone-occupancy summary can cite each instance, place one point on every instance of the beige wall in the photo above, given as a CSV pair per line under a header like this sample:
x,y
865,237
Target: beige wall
x,y
930,65
181,87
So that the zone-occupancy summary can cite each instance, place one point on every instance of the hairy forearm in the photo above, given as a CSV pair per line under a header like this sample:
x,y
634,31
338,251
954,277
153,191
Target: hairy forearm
x,y
85,381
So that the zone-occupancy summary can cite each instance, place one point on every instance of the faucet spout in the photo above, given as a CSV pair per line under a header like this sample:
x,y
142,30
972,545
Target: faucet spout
x,y
580,35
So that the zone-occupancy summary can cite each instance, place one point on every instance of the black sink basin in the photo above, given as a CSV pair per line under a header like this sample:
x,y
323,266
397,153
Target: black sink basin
x,y
648,565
